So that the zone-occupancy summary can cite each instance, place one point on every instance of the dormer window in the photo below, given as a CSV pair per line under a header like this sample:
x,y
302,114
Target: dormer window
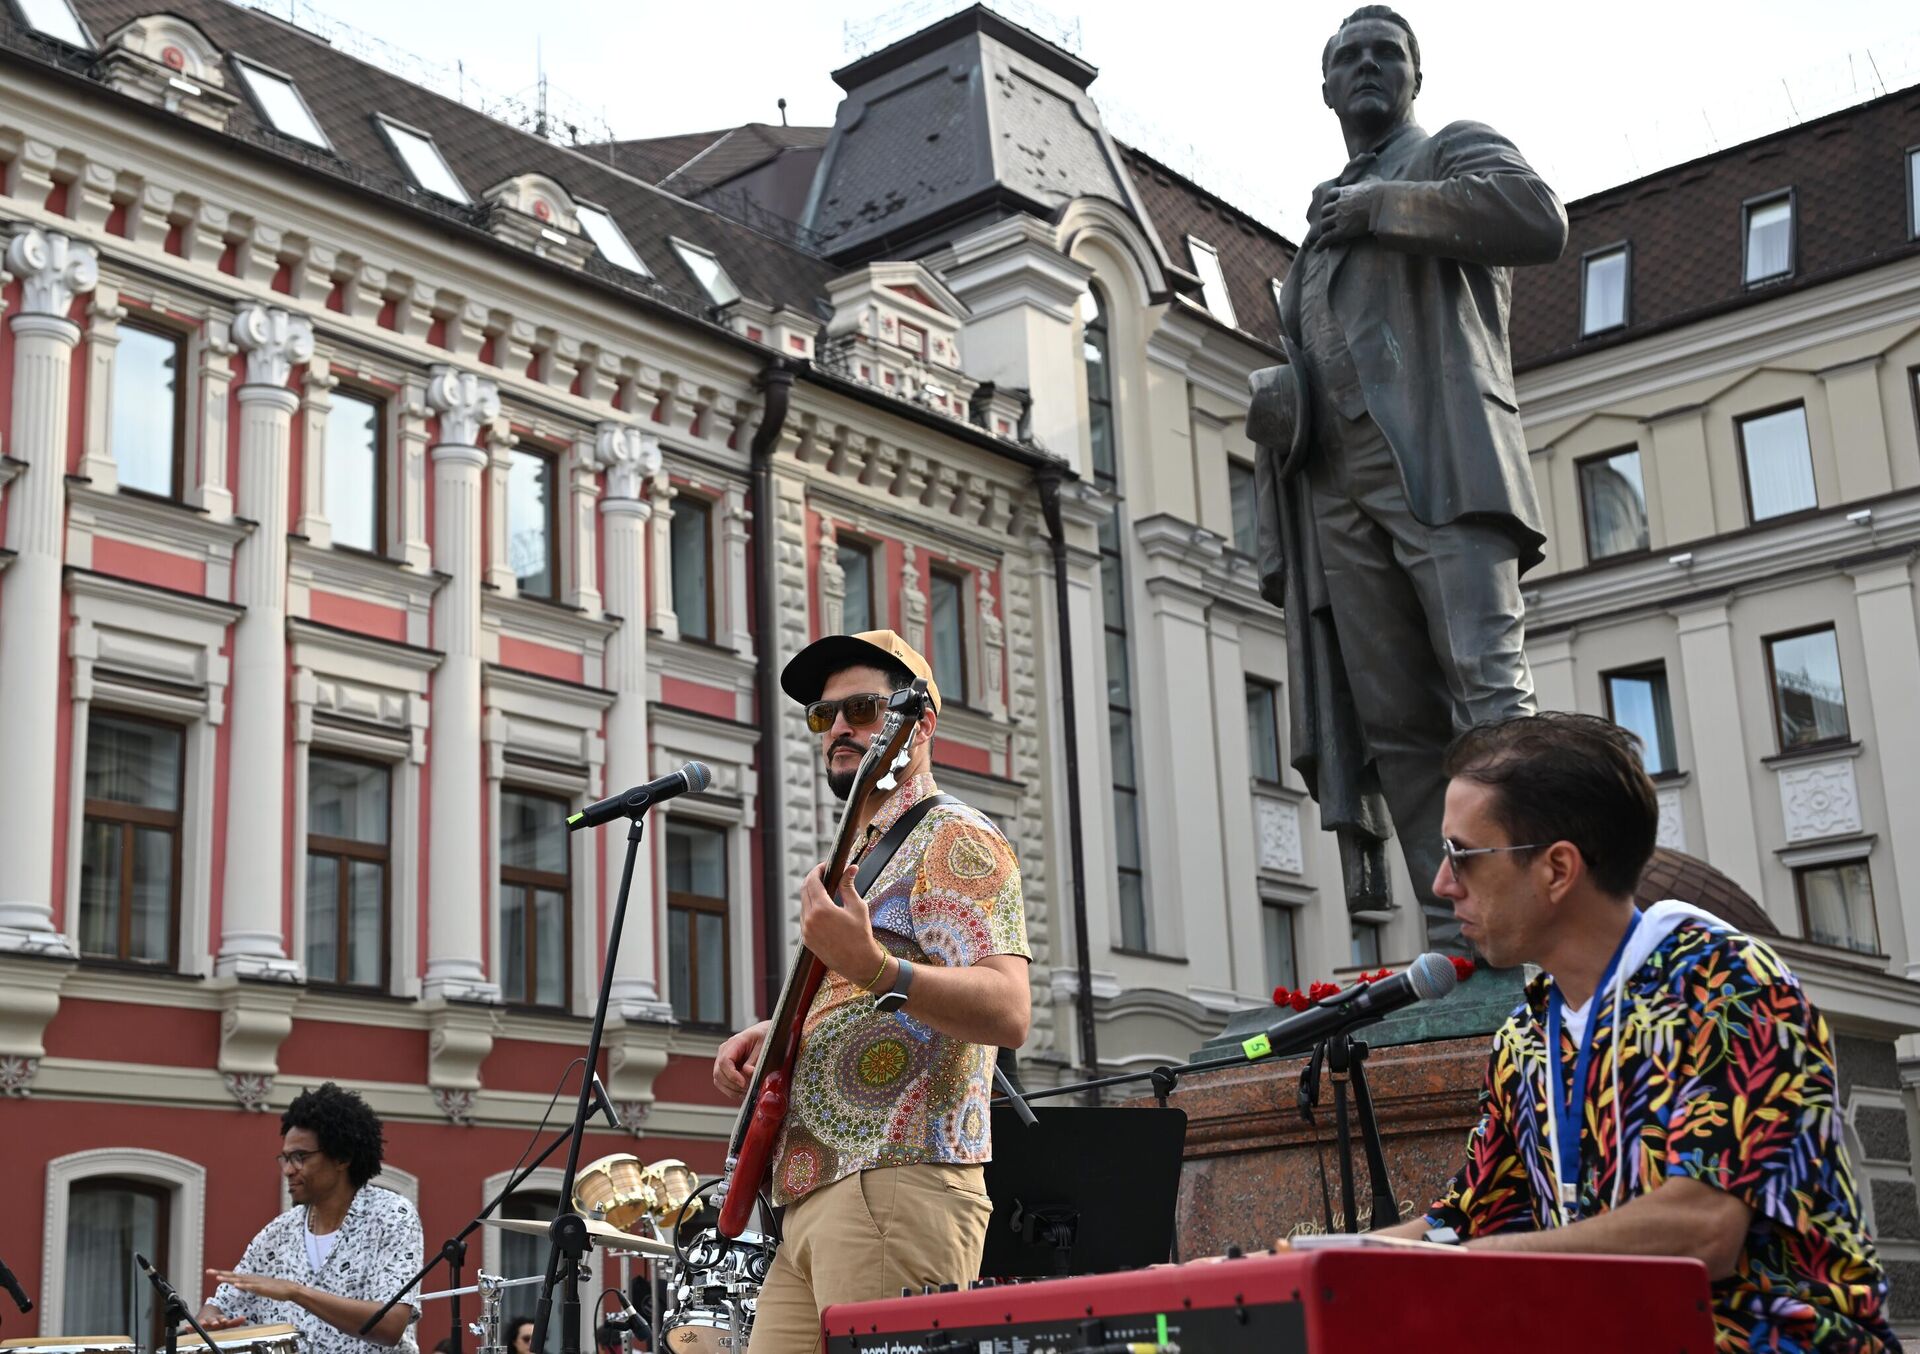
x,y
1278,309
606,235
1603,291
55,19
278,100
707,271
422,160
1769,238
1213,281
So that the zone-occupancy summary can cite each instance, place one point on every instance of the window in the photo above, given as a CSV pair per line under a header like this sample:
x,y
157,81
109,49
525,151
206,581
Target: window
x,y
913,338
1246,514
1913,193
690,536
1603,291
149,416
1638,702
1778,463
697,922
1613,501
949,634
1836,905
1129,867
521,1253
1279,310
423,161
707,272
535,930
532,522
1769,238
1809,702
347,871
1263,729
279,101
55,19
608,238
856,568
356,493
109,1220
130,850
1283,969
1213,282
1366,937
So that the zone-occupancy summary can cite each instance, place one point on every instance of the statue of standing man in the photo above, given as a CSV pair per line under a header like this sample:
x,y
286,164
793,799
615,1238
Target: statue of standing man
x,y
1397,509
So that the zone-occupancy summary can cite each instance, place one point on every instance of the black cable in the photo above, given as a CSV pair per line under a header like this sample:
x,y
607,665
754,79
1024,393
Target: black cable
x,y
553,1100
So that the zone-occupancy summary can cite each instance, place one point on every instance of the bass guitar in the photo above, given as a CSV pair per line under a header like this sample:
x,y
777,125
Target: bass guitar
x,y
764,1111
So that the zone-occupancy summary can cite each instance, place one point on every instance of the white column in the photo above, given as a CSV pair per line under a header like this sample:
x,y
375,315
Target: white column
x,y
456,966
1890,634
52,271
252,943
1719,749
631,460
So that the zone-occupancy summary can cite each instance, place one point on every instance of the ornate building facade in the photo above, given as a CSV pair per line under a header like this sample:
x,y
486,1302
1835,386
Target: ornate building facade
x,y
382,483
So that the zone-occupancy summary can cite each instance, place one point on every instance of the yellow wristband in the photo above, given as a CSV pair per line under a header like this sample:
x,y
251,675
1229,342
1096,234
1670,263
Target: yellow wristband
x,y
867,986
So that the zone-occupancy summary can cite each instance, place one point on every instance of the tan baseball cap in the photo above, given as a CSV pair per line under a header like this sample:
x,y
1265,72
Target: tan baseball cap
x,y
805,677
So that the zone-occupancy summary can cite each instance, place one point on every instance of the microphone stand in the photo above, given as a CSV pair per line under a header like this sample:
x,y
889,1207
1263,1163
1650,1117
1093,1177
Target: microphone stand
x,y
454,1249
175,1309
12,1285
568,1232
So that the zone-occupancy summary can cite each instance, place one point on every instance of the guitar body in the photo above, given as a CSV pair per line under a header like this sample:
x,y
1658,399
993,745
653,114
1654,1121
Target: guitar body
x,y
756,1132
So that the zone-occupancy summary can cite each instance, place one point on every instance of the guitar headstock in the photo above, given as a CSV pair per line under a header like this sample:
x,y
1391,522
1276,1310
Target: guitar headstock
x,y
904,709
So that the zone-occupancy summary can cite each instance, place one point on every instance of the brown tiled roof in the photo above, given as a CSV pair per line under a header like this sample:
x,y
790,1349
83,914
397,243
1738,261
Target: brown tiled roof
x,y
1251,256
1674,874
344,93
1848,172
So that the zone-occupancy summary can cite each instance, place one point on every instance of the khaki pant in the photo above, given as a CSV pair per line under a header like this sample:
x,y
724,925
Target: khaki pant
x,y
868,1236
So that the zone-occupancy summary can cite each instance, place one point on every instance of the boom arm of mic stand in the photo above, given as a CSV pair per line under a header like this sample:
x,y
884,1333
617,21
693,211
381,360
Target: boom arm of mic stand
x,y
175,1309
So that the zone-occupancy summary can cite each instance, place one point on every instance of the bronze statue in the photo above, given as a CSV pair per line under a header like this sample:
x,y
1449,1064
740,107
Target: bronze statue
x,y
1397,510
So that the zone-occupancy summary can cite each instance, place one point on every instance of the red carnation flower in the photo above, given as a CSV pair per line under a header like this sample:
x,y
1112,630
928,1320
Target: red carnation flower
x,y
1461,967
1300,1001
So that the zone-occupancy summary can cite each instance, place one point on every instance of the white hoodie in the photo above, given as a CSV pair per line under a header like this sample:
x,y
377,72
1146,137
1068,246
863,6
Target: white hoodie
x,y
1656,924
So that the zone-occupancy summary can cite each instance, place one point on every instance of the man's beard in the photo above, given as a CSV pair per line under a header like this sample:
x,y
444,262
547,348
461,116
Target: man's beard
x,y
841,782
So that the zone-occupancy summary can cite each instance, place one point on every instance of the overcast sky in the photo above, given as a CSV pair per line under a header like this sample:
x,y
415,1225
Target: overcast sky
x,y
1593,95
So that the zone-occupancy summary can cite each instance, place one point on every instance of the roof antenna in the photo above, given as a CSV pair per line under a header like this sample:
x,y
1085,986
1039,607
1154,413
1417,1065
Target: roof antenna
x,y
783,111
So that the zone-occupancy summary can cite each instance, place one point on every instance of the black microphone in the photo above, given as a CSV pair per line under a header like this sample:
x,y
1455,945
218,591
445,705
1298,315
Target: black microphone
x,y
12,1285
1427,978
690,779
606,1101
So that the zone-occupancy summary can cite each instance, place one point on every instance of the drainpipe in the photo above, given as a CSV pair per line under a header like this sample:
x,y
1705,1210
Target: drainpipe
x,y
776,385
1048,480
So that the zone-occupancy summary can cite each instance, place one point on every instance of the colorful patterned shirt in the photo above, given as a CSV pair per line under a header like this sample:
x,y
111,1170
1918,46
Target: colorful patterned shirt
x,y
1725,1075
871,1089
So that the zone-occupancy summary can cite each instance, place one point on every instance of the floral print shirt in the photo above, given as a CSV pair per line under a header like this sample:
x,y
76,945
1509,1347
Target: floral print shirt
x,y
1725,1074
377,1248
872,1089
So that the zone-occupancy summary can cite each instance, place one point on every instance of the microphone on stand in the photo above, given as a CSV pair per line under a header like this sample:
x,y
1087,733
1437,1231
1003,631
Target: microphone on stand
x,y
690,779
606,1103
12,1285
1427,978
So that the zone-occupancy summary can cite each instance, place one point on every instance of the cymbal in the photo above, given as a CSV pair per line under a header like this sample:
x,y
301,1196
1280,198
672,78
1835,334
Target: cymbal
x,y
598,1234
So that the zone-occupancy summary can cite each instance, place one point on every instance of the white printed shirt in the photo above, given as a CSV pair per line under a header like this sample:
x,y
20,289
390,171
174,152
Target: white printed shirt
x,y
377,1248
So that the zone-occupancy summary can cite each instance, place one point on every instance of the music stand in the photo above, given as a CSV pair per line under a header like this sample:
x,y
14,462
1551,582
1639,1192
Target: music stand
x,y
1083,1191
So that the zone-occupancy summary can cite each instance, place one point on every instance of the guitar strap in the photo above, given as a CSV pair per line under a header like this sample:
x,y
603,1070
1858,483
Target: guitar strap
x,y
895,836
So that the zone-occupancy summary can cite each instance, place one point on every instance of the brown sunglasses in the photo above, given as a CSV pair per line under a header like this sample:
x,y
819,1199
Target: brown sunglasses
x,y
861,710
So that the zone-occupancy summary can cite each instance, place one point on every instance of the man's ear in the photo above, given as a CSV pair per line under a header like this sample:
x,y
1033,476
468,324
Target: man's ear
x,y
1566,867
1417,77
1325,97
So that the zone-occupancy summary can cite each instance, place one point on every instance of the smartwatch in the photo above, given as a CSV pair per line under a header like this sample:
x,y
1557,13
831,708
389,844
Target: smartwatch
x,y
896,996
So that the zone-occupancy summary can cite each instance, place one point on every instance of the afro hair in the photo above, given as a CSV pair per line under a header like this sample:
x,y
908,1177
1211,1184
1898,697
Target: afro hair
x,y
347,1127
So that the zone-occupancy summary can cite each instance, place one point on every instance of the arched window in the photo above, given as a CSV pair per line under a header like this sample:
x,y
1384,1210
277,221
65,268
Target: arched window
x,y
103,1207
1103,447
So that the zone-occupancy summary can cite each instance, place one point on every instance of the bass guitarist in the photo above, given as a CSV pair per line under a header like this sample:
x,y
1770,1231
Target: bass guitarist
x,y
880,1164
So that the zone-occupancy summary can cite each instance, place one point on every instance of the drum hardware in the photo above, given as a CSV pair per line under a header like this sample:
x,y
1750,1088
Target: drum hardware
x,y
491,1323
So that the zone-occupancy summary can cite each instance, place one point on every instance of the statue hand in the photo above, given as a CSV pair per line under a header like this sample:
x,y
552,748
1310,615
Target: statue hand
x,y
1345,214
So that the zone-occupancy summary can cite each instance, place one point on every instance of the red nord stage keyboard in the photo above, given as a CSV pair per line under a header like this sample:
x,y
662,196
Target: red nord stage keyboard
x,y
1322,1301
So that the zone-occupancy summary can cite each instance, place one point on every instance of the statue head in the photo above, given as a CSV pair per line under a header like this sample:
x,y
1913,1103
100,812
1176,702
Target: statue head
x,y
1370,72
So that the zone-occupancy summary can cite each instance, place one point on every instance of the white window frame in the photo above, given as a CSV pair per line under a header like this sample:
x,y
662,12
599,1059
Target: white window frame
x,y
689,253
1790,199
610,232
1912,163
540,1180
86,41
1624,252
252,73
185,1181
157,654
1278,309
1213,281
394,130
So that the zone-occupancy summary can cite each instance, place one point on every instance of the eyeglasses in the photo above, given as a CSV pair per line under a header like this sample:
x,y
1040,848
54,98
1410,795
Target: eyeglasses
x,y
1457,856
297,1160
860,710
